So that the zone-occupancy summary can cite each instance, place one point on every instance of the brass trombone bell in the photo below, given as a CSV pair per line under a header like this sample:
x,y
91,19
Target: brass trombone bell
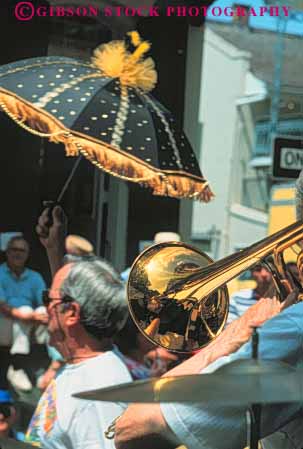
x,y
166,306
178,296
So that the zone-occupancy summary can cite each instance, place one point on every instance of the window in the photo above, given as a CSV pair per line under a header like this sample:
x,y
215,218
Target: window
x,y
85,30
255,192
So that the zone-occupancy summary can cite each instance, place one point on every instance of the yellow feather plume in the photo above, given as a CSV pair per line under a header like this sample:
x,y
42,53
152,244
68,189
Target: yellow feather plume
x,y
135,38
113,60
110,58
139,52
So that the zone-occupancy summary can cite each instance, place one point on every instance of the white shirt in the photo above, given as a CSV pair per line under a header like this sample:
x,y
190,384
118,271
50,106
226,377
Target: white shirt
x,y
64,422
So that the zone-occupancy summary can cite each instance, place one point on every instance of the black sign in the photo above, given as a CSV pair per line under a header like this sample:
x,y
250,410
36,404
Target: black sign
x,y
288,157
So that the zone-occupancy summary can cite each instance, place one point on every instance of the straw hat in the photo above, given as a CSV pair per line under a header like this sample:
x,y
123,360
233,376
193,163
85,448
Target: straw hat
x,y
78,246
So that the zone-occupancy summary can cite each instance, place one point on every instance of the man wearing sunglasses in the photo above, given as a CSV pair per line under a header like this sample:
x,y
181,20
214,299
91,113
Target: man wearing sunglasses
x,y
86,306
20,307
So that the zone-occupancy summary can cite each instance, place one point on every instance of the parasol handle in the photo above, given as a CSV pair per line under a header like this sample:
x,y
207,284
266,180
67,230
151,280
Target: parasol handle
x,y
70,177
52,204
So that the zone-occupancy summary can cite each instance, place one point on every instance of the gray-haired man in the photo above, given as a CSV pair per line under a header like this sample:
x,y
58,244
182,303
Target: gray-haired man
x,y
86,306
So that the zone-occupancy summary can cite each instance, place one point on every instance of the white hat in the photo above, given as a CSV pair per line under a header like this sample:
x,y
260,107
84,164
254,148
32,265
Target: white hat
x,y
162,237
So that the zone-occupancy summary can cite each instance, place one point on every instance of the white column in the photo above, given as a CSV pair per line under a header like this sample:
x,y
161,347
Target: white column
x,y
192,124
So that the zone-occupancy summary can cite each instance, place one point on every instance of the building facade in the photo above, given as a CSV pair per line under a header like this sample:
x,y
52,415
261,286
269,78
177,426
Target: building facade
x,y
236,118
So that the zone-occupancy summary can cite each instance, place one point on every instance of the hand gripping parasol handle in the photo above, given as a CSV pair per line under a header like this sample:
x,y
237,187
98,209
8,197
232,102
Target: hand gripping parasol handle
x,y
50,205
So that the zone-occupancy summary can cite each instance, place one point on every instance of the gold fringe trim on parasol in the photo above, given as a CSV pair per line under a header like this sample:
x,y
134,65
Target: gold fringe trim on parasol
x,y
115,61
106,157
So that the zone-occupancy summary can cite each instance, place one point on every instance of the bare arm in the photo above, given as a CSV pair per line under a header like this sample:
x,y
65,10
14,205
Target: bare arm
x,y
52,238
141,422
143,426
17,314
231,339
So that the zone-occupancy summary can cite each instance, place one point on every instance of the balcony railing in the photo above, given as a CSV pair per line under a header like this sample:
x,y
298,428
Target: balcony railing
x,y
291,127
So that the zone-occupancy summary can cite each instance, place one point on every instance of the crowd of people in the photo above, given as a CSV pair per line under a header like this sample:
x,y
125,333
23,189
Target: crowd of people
x,y
92,342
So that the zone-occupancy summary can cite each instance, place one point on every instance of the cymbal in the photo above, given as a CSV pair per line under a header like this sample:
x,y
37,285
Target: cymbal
x,y
242,382
10,443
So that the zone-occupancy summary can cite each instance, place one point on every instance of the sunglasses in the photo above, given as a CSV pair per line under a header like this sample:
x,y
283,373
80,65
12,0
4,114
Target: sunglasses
x,y
5,410
47,300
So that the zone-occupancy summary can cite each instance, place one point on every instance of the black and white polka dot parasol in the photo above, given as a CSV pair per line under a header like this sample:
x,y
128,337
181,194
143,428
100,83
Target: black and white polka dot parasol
x,y
105,113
